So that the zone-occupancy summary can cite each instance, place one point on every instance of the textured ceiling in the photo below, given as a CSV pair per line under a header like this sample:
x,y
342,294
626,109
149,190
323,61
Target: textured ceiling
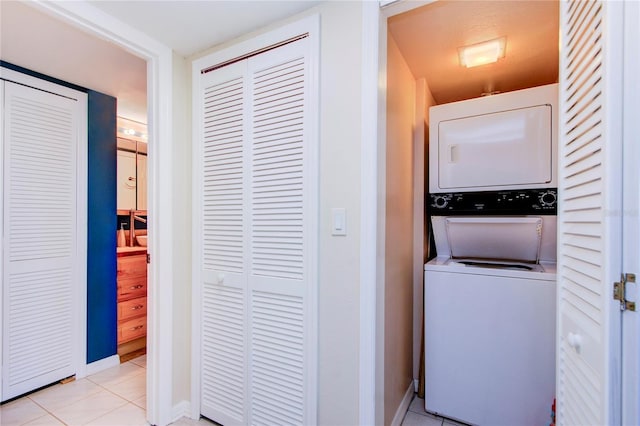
x,y
429,38
192,26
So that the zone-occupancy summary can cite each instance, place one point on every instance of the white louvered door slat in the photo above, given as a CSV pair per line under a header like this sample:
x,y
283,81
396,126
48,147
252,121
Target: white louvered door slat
x,y
40,143
278,277
224,328
589,239
259,202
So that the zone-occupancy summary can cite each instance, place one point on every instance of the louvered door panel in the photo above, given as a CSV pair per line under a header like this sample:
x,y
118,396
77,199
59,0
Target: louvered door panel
x,y
277,170
277,362
278,279
223,328
588,250
224,173
40,142
223,349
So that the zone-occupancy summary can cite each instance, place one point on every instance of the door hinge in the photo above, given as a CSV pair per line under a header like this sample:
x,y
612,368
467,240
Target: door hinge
x,y
620,293
148,259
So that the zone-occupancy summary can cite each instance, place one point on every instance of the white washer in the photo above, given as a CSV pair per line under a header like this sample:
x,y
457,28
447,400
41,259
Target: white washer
x,y
489,334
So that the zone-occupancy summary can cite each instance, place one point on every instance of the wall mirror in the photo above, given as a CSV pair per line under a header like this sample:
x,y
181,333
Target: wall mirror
x,y
132,165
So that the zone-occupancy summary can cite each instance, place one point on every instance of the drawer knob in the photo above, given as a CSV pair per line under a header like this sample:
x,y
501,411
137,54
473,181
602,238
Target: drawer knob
x,y
135,308
138,327
136,287
220,278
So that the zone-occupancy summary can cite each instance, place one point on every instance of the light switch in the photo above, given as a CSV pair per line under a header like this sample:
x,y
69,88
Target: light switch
x,y
339,221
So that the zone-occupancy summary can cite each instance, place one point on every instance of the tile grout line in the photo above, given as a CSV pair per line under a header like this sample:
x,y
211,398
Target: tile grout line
x,y
100,385
128,401
46,411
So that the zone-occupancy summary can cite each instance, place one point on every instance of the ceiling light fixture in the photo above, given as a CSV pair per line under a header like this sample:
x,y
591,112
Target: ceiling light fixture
x,y
483,53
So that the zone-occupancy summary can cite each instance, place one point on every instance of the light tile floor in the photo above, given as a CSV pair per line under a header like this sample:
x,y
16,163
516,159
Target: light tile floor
x,y
113,397
117,397
417,416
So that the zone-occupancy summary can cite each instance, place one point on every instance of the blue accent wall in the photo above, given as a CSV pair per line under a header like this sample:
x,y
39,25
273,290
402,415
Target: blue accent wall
x,y
102,339
102,308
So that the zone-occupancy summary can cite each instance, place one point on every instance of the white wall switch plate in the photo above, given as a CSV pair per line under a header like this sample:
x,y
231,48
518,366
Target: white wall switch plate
x,y
338,221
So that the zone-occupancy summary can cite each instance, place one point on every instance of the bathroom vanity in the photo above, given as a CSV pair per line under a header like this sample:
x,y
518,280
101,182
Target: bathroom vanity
x,y
132,298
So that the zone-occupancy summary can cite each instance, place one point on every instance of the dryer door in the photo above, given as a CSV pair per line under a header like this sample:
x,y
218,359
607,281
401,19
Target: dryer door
x,y
491,150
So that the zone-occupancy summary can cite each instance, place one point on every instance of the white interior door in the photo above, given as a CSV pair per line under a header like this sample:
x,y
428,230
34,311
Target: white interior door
x,y
42,262
223,346
259,232
589,220
280,223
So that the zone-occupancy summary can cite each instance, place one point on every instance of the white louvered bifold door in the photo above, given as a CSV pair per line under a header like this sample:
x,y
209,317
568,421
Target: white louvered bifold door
x,y
259,224
278,274
224,242
39,184
589,239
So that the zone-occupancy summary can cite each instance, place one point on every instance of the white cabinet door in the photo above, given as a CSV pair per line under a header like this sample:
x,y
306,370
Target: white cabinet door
x,y
41,258
127,180
589,220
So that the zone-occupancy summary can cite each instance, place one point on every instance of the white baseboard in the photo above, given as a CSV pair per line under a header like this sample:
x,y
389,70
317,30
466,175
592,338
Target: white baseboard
x,y
181,409
404,406
102,364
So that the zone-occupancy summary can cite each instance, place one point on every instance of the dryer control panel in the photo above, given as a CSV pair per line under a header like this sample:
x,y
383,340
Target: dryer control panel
x,y
515,202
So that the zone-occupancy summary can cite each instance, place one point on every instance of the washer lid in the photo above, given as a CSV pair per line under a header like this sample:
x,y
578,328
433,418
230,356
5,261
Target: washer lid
x,y
510,239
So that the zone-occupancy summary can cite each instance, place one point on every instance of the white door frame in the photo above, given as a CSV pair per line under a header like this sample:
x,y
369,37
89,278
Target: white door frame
x,y
160,212
631,207
372,204
372,164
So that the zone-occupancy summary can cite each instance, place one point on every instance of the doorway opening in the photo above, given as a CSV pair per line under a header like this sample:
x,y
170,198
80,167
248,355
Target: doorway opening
x,y
157,61
423,69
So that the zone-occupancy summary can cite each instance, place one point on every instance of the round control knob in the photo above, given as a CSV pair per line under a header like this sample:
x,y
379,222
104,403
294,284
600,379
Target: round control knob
x,y
440,202
548,198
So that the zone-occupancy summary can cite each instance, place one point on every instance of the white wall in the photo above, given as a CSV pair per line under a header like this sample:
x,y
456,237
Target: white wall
x,y
340,113
339,257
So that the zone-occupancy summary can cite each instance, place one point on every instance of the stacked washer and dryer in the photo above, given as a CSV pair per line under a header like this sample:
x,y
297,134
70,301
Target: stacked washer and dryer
x,y
490,294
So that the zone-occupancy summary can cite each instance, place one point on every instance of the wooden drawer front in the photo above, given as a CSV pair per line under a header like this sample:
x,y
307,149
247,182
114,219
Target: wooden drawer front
x,y
132,308
132,288
132,329
132,266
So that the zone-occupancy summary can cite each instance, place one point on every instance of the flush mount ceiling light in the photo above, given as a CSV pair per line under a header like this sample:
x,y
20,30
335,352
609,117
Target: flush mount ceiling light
x,y
483,53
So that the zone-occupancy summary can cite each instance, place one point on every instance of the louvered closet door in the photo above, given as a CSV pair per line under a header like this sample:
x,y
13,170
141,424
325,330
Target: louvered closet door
x,y
280,193
259,223
224,246
589,221
40,140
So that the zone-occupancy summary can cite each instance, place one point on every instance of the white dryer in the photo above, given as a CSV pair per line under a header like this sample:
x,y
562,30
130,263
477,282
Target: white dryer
x,y
490,314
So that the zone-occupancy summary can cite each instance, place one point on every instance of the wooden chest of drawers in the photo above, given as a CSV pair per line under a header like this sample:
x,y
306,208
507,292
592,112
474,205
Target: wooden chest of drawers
x,y
132,296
